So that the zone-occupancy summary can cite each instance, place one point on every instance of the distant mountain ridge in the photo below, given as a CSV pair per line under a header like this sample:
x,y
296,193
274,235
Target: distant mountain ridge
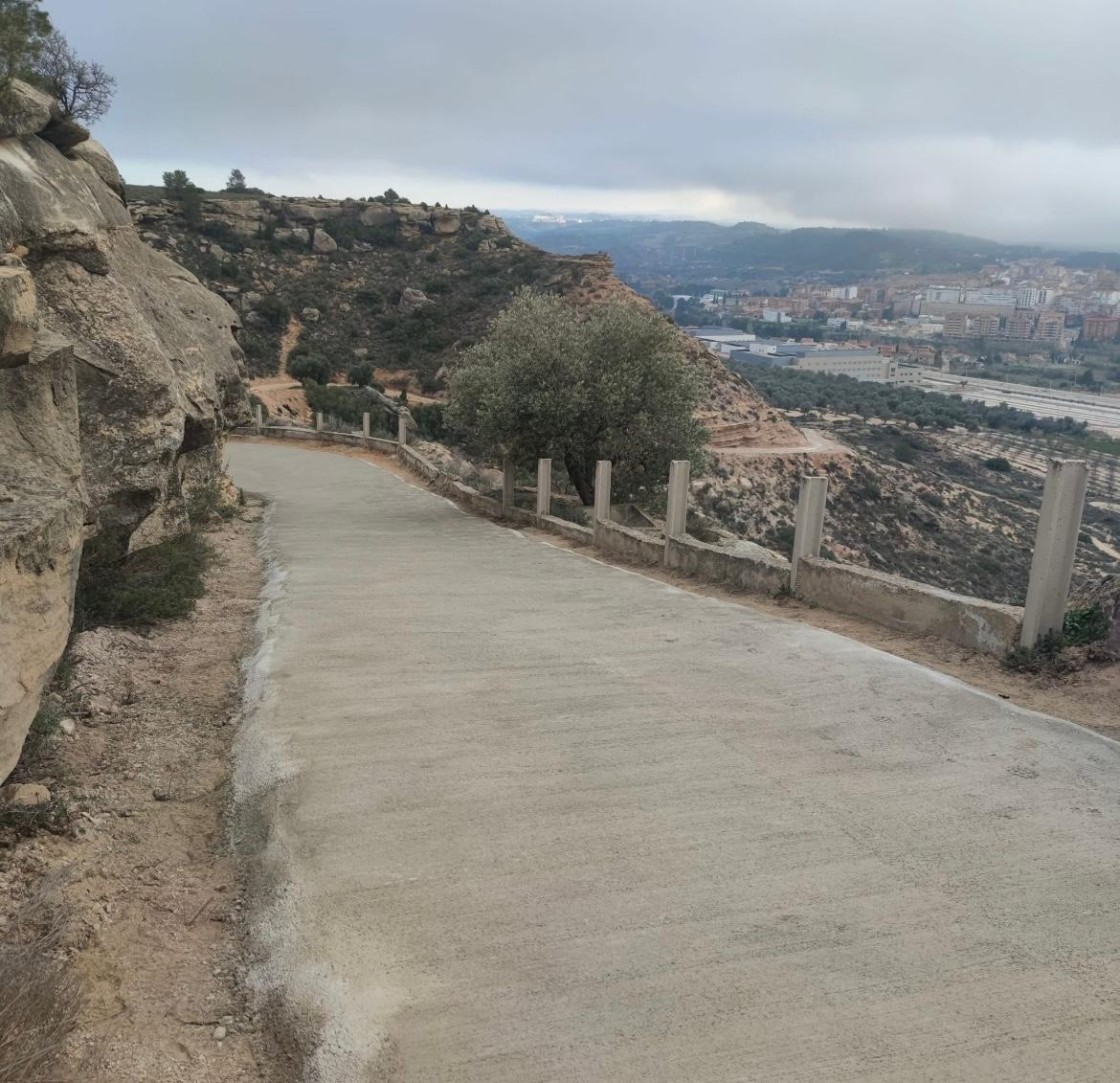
x,y
654,253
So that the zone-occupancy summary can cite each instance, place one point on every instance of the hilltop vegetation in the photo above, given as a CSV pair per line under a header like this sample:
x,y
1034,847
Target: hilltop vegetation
x,y
400,286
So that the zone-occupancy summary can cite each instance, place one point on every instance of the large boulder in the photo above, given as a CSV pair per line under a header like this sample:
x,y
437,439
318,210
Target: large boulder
x,y
99,160
446,223
24,110
113,414
323,244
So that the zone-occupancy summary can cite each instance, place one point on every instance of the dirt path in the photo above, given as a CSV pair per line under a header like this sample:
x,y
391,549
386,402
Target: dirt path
x,y
816,442
151,890
288,342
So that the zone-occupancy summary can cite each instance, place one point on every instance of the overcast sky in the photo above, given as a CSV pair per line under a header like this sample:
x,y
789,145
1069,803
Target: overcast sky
x,y
996,117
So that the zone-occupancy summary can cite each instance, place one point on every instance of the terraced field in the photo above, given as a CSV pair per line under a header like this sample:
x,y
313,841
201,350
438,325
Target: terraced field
x,y
1034,454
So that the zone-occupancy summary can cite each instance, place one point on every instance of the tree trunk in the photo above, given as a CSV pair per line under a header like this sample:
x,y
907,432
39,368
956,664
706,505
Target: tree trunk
x,y
581,478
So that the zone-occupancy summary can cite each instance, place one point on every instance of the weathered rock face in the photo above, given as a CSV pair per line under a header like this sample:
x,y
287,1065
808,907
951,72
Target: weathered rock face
x,y
119,373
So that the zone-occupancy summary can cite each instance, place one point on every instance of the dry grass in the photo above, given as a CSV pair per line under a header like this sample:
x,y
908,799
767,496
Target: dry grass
x,y
40,996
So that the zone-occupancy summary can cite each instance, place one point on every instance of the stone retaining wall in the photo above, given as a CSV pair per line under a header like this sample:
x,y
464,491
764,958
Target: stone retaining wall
x,y
909,606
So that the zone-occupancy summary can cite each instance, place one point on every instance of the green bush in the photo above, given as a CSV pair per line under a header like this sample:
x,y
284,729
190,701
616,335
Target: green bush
x,y
1085,624
905,451
311,367
999,464
273,311
361,375
159,583
429,420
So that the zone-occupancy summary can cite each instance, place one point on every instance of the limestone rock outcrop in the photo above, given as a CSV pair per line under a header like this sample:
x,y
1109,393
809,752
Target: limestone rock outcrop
x,y
119,373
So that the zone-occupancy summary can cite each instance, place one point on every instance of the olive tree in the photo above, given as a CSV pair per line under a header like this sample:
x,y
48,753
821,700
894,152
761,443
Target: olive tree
x,y
552,381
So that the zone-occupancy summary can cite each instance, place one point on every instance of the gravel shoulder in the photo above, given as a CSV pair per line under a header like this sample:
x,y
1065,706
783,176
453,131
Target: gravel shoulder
x,y
144,874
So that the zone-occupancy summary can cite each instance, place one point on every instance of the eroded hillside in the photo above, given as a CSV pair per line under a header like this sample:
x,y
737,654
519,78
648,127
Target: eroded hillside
x,y
405,287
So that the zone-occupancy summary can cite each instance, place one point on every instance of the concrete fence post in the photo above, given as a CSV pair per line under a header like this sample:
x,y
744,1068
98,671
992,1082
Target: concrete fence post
x,y
365,426
544,486
402,430
603,491
319,421
507,486
809,529
1059,522
676,516
258,416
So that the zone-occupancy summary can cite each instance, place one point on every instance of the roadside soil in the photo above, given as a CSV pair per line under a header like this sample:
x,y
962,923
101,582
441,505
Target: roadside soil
x,y
147,881
1090,696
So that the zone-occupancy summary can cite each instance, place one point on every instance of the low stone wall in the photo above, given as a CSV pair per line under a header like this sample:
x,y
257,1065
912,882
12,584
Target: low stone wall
x,y
630,543
291,432
842,588
574,531
909,606
746,567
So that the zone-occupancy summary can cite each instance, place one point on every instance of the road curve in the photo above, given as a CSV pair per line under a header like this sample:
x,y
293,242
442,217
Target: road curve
x,y
537,818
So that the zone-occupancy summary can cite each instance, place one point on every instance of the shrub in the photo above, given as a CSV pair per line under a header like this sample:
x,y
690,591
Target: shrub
x,y
273,311
159,583
1085,624
361,375
40,994
429,420
999,464
311,367
905,452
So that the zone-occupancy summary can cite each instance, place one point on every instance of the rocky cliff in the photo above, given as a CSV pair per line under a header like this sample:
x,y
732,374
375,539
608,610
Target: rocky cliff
x,y
119,373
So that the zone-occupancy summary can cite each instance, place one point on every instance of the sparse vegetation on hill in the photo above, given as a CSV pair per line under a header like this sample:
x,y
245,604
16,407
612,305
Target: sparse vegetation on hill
x,y
389,283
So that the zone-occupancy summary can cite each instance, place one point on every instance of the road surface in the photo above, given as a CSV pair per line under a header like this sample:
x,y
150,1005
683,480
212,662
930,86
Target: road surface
x,y
539,818
1099,412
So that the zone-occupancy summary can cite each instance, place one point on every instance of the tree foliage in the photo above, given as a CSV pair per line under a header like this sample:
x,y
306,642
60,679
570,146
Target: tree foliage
x,y
549,382
83,89
24,29
311,366
360,374
179,187
236,182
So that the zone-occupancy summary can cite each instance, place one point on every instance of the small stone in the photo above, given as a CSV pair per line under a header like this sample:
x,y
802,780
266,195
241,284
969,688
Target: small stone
x,y
25,795
219,1034
161,795
67,727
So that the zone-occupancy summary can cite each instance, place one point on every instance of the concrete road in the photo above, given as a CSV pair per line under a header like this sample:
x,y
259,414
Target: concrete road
x,y
544,819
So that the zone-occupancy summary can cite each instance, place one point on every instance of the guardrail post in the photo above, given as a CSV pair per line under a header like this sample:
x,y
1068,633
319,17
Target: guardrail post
x,y
809,530
603,491
258,416
365,426
402,430
1059,523
507,485
544,486
319,421
676,516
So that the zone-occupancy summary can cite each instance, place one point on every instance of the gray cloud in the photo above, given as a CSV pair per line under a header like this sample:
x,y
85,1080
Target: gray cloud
x,y
992,116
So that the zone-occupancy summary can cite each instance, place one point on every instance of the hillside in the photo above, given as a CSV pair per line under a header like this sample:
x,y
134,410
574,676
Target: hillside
x,y
405,287
653,253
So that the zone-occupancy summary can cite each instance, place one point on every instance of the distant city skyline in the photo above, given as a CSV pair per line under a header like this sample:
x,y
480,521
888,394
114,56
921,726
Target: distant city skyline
x,y
991,118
